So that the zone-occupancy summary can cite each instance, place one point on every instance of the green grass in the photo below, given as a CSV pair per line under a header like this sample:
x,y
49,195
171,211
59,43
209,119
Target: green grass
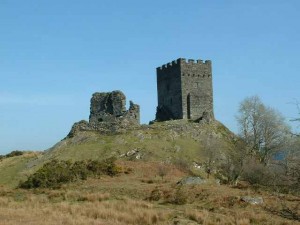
x,y
164,141
14,169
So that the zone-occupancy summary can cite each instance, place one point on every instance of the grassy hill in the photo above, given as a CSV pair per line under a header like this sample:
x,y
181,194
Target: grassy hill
x,y
139,194
14,169
160,141
164,141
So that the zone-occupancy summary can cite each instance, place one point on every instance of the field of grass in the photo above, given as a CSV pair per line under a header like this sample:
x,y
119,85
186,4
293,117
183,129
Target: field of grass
x,y
128,199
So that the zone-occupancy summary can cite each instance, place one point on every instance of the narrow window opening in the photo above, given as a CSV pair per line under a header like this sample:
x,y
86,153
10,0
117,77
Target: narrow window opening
x,y
188,105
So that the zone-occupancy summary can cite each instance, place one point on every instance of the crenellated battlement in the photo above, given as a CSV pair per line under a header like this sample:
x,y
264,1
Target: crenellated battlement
x,y
192,61
169,65
181,61
185,89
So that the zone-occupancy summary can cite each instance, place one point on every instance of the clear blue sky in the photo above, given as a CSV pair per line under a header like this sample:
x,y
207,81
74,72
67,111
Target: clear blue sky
x,y
55,54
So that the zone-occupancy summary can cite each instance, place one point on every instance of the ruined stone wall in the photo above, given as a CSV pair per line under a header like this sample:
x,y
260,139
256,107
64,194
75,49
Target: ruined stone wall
x,y
110,108
185,90
108,114
106,107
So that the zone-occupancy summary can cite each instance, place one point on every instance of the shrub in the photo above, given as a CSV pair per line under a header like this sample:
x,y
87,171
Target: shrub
x,y
14,153
155,195
80,170
52,174
110,168
256,173
163,170
107,167
11,154
183,165
128,170
180,197
55,173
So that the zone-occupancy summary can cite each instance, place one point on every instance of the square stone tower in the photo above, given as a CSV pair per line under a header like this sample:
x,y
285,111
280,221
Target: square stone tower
x,y
185,90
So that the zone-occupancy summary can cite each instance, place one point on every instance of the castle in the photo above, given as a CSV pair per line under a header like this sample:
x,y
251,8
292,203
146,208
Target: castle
x,y
185,90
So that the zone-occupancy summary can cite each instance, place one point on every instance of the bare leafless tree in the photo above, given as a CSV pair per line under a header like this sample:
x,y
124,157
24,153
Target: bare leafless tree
x,y
263,129
297,118
212,152
163,170
233,164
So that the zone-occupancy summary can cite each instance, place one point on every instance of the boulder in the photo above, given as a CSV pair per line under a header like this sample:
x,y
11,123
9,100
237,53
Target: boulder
x,y
252,200
191,180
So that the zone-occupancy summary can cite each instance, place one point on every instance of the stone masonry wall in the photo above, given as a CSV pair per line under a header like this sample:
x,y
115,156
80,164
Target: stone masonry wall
x,y
108,114
111,108
106,107
197,90
169,92
185,90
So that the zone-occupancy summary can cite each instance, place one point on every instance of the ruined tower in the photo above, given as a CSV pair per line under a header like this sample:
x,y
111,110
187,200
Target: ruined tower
x,y
110,108
185,90
108,114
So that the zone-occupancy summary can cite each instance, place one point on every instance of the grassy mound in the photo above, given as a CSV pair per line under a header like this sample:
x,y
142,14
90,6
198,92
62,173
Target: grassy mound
x,y
177,141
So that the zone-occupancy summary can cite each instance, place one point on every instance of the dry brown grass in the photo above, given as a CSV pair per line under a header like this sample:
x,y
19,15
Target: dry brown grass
x,y
122,200
39,209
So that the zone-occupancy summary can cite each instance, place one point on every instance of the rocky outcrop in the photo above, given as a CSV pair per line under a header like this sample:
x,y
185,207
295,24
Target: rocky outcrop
x,y
79,126
163,114
108,114
207,117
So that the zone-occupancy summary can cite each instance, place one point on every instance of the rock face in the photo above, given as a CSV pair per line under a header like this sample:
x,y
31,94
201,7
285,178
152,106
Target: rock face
x,y
108,114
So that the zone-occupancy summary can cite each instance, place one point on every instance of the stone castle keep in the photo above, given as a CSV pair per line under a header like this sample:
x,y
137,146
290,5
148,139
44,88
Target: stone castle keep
x,y
184,91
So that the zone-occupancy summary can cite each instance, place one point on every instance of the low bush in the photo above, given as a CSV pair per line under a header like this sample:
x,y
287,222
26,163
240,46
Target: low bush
x,y
180,197
253,173
11,154
14,153
155,195
55,173
163,170
183,165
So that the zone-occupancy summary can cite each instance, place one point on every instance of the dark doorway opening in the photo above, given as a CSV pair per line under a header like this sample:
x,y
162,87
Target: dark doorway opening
x,y
188,105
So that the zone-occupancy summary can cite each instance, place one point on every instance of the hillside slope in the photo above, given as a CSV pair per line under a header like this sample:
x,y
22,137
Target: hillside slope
x,y
164,141
139,194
